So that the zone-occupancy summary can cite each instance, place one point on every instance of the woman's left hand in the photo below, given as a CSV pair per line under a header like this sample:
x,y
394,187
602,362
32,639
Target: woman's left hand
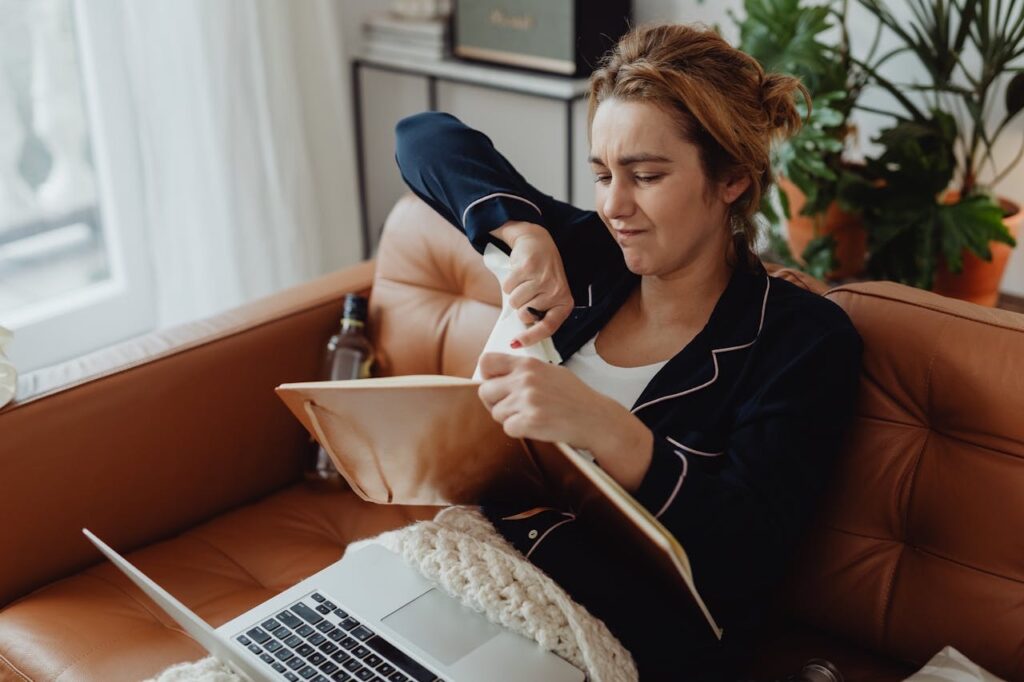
x,y
535,399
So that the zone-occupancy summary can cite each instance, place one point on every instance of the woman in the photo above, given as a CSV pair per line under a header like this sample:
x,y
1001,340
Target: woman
x,y
713,393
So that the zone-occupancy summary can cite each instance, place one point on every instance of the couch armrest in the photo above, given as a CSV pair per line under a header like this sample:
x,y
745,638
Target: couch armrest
x,y
149,437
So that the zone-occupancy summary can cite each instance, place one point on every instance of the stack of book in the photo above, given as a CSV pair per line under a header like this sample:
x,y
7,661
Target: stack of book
x,y
389,36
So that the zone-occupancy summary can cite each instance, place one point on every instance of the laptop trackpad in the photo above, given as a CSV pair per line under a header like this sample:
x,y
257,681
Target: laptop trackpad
x,y
442,626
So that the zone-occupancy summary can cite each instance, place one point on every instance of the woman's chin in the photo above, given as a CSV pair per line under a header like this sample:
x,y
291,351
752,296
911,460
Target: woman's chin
x,y
636,263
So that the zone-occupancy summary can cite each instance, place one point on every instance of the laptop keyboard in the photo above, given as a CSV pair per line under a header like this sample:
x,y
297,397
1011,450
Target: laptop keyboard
x,y
316,640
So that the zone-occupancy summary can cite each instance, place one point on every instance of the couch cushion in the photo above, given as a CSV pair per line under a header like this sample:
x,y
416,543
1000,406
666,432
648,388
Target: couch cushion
x,y
97,625
433,301
921,540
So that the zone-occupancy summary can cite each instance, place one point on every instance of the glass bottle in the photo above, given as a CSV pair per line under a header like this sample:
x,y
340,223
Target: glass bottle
x,y
349,355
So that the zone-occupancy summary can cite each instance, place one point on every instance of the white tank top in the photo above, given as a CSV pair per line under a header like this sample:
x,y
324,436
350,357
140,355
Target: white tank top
x,y
622,384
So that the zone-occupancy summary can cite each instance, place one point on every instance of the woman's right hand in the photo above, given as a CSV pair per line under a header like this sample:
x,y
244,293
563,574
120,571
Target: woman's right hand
x,y
537,280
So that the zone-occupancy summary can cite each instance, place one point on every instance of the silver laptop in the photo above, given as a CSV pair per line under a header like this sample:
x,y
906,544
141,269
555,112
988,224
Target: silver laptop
x,y
368,616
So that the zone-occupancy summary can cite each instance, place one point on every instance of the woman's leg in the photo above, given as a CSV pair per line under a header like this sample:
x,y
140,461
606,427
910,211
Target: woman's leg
x,y
666,644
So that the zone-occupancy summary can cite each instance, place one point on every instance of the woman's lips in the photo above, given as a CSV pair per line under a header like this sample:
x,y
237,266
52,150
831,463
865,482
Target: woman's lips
x,y
627,235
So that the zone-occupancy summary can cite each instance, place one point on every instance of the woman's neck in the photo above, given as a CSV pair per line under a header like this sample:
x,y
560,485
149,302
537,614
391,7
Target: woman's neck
x,y
683,300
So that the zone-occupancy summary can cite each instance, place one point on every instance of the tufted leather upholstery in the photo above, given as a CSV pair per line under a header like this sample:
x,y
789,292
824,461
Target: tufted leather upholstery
x,y
174,444
434,302
922,536
97,625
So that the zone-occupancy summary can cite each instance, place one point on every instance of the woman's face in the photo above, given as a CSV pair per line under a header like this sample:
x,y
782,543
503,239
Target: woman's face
x,y
651,190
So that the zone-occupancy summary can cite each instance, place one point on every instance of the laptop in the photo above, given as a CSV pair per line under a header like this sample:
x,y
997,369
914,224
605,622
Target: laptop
x,y
368,616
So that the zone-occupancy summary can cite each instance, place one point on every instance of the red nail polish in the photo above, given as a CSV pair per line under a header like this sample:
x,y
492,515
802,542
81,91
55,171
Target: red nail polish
x,y
516,344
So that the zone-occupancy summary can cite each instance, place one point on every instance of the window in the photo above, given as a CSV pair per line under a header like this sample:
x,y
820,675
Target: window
x,y
72,256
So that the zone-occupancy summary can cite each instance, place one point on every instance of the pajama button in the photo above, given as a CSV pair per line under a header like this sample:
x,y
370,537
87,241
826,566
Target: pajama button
x,y
532,535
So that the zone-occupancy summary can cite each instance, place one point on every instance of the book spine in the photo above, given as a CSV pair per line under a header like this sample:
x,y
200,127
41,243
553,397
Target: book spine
x,y
390,39
402,52
427,30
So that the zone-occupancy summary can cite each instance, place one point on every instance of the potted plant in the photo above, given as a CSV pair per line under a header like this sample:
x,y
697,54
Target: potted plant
x,y
822,237
932,220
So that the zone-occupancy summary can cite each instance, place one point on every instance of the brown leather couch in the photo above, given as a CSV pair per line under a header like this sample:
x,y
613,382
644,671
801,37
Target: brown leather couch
x,y
175,450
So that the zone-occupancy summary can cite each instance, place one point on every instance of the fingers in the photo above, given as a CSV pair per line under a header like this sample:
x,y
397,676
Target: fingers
x,y
537,280
506,411
526,317
535,309
503,390
498,364
553,319
525,292
505,407
491,393
516,278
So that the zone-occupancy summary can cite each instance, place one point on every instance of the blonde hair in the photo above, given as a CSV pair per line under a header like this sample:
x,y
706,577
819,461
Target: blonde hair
x,y
722,99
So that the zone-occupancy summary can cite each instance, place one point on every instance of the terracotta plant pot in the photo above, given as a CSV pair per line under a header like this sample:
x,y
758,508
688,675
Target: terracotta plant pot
x,y
979,281
846,228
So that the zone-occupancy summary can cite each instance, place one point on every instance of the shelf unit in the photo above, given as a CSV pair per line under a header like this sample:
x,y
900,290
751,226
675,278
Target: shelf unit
x,y
536,120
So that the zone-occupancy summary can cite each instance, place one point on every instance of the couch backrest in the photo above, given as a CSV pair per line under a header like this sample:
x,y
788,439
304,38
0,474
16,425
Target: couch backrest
x,y
920,542
921,539
433,301
144,439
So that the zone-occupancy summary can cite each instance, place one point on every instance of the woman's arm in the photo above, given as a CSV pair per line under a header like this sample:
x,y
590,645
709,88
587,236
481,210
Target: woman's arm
x,y
556,249
740,523
458,172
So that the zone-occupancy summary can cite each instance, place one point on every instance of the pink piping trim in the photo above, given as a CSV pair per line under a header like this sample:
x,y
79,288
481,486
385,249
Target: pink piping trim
x,y
541,538
714,356
590,298
696,452
679,484
498,194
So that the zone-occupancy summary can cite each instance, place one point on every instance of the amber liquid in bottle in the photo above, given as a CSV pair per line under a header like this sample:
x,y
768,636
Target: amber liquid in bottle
x,y
349,355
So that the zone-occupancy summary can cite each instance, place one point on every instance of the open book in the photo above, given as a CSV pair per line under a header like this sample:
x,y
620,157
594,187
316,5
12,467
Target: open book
x,y
428,440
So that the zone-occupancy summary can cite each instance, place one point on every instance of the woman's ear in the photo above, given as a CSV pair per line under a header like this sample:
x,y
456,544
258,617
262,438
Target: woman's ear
x,y
733,189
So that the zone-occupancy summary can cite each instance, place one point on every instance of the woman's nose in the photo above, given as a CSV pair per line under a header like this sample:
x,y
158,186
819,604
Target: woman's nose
x,y
618,200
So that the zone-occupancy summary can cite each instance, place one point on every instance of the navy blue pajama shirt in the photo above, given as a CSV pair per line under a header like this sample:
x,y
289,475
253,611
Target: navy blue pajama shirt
x,y
747,418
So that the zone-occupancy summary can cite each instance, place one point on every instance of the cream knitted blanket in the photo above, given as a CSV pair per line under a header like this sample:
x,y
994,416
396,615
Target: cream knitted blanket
x,y
462,552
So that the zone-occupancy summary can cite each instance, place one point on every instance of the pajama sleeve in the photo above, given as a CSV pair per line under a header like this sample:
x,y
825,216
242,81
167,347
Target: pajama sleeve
x,y
459,173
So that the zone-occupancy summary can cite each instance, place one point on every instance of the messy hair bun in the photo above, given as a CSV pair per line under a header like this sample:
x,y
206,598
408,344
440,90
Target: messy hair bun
x,y
722,99
777,91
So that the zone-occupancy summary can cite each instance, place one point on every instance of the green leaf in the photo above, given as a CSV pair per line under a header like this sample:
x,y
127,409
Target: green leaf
x,y
925,253
784,202
820,256
1015,95
777,244
918,158
971,224
783,35
853,191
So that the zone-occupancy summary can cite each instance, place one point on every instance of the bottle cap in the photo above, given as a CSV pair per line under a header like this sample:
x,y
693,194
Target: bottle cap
x,y
820,670
355,308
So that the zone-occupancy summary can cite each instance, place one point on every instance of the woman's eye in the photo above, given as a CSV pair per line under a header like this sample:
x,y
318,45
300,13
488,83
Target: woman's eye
x,y
643,179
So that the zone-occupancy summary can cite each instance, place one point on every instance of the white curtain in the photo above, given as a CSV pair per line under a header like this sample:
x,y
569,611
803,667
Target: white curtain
x,y
235,202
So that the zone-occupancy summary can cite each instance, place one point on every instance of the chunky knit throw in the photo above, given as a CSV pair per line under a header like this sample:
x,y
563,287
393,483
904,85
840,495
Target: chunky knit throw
x,y
462,552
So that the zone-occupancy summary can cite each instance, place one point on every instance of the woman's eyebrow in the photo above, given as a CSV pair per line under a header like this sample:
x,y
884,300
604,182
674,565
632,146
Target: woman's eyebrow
x,y
630,159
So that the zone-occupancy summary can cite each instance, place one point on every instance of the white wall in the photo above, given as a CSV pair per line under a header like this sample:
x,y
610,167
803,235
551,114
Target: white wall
x,y
327,112
715,13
